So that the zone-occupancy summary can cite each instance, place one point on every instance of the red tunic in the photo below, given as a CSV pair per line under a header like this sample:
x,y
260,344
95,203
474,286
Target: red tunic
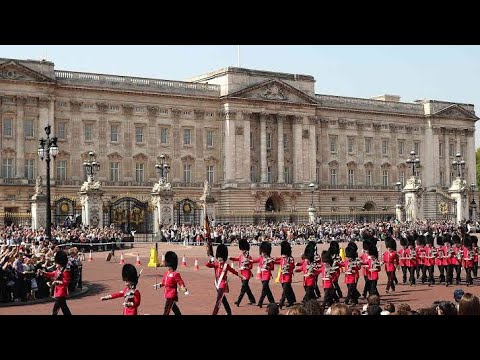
x,y
219,266
127,310
265,268
351,273
285,261
61,290
171,281
411,262
429,258
245,265
402,257
467,258
440,256
328,277
457,251
364,258
420,254
373,270
390,259
308,278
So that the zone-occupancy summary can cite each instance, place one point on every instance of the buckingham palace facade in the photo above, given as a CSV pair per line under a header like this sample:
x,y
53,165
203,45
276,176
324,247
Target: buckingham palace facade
x,y
259,138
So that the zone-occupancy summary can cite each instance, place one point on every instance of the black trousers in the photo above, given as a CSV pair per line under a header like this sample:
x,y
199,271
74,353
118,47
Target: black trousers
x,y
352,295
266,292
412,274
373,287
469,278
424,273
226,305
366,286
458,270
475,269
246,290
337,289
418,267
330,297
317,289
309,293
171,304
404,274
390,282
288,294
431,278
441,269
449,269
61,303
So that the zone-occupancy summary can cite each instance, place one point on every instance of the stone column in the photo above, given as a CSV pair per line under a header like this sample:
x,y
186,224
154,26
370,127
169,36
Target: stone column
x,y
39,211
127,168
458,194
162,199
297,149
263,148
229,141
281,158
313,149
44,118
247,116
470,157
92,205
75,126
20,136
413,199
430,147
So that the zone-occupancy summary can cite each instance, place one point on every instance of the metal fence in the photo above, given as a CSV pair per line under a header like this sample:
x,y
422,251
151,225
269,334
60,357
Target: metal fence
x,y
17,219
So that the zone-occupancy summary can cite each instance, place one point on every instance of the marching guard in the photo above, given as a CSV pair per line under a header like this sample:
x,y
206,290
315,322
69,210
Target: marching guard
x,y
391,262
245,265
266,267
287,266
130,293
352,269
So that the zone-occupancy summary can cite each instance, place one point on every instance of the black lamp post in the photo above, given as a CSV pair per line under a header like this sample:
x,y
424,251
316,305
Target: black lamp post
x,y
398,185
473,204
162,169
312,188
92,166
458,165
47,150
413,161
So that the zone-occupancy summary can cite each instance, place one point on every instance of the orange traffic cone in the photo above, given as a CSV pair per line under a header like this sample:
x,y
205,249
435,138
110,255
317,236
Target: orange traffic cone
x,y
91,256
184,262
196,265
122,260
138,260
163,260
258,276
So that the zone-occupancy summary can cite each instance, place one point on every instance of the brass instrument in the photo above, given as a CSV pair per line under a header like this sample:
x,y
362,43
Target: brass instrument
x,y
459,255
245,264
450,252
286,267
376,265
351,267
267,260
471,255
412,255
311,269
329,271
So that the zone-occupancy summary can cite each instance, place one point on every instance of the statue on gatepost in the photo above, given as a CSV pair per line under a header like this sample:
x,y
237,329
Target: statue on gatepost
x,y
38,186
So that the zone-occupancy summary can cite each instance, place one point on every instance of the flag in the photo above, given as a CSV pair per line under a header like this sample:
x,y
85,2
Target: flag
x,y
277,279
206,225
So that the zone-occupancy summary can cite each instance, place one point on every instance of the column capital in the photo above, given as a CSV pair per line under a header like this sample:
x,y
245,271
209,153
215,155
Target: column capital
x,y
313,120
43,101
297,119
247,115
127,109
21,99
281,118
176,112
102,106
199,114
152,110
75,105
264,116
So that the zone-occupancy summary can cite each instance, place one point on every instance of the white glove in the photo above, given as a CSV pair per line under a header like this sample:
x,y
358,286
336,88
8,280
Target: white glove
x,y
157,286
212,259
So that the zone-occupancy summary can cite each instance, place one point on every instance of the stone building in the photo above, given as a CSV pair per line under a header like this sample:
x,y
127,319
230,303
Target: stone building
x,y
259,138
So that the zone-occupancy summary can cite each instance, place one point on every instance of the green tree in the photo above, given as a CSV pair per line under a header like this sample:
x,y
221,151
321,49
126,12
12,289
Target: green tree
x,y
477,159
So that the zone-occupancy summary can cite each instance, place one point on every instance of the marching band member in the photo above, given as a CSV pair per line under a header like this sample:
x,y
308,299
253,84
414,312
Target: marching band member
x,y
447,260
402,253
475,258
221,269
61,277
390,259
328,273
411,259
352,269
468,257
364,259
130,294
266,267
441,258
456,260
310,271
170,281
420,249
287,266
245,265
334,251
374,268
429,259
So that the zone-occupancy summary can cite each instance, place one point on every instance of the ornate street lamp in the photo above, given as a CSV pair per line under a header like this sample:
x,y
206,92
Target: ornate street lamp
x,y
473,204
47,150
398,185
92,166
162,169
458,165
413,161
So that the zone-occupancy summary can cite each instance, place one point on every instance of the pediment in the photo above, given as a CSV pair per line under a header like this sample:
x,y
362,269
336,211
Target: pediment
x,y
273,90
115,155
333,163
457,112
12,70
210,158
188,158
140,156
351,164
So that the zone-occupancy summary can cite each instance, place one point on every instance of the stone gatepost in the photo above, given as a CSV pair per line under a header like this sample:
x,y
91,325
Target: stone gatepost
x,y
413,199
92,204
39,206
162,199
208,204
399,212
458,192
312,212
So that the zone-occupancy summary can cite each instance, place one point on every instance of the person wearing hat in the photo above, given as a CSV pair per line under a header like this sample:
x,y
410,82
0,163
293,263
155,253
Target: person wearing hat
x,y
267,264
287,266
411,254
456,260
245,265
61,278
440,258
130,293
402,258
219,263
171,281
468,256
475,257
391,262
429,259
352,268
364,261
310,270
334,251
447,260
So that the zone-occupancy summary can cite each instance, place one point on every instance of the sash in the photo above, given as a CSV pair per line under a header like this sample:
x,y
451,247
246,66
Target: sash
x,y
224,270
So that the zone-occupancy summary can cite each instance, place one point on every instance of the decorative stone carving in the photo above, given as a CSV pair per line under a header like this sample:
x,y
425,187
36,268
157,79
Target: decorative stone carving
x,y
408,129
176,112
152,110
342,123
89,185
75,105
21,100
127,109
102,107
305,134
43,102
161,186
11,74
247,115
313,120
199,114
377,127
38,186
360,125
437,131
297,119
393,128
239,130
273,92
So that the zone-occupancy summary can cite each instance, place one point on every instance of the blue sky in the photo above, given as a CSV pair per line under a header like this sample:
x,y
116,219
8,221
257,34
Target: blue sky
x,y
448,73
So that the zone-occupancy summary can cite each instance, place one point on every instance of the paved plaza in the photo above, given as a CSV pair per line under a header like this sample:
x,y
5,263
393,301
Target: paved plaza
x,y
105,277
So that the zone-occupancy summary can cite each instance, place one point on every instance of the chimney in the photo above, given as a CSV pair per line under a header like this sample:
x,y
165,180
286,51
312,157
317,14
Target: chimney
x,y
387,97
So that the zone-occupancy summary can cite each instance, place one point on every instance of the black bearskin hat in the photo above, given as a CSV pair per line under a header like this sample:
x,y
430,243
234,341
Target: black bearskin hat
x,y
440,240
411,240
61,258
353,245
474,240
467,241
367,244
429,239
447,238
171,260
334,248
265,248
373,251
310,251
285,248
456,239
222,252
390,243
421,240
350,252
403,241
326,257
243,245
129,273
